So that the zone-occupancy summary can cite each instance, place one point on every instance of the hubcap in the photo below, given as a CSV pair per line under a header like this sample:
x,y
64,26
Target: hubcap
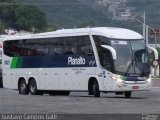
x,y
23,86
33,88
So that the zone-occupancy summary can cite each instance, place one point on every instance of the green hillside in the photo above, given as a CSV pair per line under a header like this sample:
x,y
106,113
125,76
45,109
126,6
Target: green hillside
x,y
82,13
72,13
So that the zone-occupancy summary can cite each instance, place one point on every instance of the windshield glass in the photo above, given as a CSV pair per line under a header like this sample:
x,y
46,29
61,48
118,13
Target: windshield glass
x,y
132,58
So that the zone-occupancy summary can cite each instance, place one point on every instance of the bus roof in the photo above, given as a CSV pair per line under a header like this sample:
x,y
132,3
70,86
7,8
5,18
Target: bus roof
x,y
110,32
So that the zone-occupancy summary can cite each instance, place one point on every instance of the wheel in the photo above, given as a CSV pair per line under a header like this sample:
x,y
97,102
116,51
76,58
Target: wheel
x,y
96,91
23,87
127,94
33,87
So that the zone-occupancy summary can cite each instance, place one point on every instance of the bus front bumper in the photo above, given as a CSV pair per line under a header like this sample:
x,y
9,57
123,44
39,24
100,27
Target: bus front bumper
x,y
133,85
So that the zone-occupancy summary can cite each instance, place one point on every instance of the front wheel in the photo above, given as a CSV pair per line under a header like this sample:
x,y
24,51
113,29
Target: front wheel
x,y
127,94
96,91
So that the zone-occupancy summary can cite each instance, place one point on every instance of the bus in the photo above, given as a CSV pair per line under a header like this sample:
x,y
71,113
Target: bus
x,y
93,60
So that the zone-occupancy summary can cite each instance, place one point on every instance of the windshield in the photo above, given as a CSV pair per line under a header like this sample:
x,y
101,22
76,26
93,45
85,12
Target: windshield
x,y
132,58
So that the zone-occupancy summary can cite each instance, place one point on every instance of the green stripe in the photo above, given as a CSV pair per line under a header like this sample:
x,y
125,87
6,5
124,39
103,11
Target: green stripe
x,y
19,62
123,78
16,62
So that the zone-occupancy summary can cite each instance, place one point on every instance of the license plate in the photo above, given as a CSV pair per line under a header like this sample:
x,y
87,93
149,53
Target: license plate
x,y
135,87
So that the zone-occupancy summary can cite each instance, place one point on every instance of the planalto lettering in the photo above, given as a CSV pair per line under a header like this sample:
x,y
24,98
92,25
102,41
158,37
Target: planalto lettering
x,y
76,61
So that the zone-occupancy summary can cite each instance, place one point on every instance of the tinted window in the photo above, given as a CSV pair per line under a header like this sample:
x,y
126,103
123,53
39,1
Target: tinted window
x,y
105,56
49,46
85,46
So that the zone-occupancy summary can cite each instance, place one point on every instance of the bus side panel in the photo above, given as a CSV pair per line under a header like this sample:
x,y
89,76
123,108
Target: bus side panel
x,y
9,75
9,79
65,78
104,79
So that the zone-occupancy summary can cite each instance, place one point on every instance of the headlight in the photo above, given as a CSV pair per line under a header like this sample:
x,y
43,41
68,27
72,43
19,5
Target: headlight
x,y
149,80
117,79
114,78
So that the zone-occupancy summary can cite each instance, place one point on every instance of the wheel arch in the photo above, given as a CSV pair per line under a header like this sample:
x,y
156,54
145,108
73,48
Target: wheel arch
x,y
99,81
90,82
31,78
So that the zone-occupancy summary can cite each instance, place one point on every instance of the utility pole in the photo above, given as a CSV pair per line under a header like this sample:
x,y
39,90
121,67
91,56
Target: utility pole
x,y
144,26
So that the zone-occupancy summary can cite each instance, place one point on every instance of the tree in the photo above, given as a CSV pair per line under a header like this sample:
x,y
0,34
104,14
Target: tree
x,y
1,27
21,17
29,17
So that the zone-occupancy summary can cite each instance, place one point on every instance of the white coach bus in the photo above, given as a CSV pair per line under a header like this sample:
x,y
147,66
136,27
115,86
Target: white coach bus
x,y
94,60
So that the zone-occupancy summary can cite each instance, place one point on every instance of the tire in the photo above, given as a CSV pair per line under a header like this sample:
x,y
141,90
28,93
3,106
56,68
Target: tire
x,y
23,87
127,94
33,87
96,91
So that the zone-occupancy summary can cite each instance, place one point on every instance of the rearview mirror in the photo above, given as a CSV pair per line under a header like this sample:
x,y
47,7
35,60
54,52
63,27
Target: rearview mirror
x,y
112,50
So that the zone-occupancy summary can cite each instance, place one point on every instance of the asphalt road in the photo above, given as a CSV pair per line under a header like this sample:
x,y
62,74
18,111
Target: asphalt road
x,y
81,103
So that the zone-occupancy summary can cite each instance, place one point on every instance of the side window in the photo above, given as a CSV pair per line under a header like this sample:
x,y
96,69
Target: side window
x,y
11,48
30,47
105,56
105,59
100,40
49,46
70,45
85,46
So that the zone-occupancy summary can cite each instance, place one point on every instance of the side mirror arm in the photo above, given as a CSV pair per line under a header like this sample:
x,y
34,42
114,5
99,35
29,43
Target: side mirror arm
x,y
155,52
112,50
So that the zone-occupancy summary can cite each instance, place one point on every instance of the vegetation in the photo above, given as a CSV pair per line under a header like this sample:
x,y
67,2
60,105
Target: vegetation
x,y
54,14
21,17
28,18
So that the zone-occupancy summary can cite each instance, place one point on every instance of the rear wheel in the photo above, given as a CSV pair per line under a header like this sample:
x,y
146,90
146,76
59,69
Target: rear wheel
x,y
33,87
96,91
127,94
23,87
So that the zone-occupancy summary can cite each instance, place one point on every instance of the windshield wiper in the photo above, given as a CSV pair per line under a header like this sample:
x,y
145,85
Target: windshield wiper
x,y
139,66
134,63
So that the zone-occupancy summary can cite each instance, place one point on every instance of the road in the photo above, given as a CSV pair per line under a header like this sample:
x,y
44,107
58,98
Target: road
x,y
81,103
